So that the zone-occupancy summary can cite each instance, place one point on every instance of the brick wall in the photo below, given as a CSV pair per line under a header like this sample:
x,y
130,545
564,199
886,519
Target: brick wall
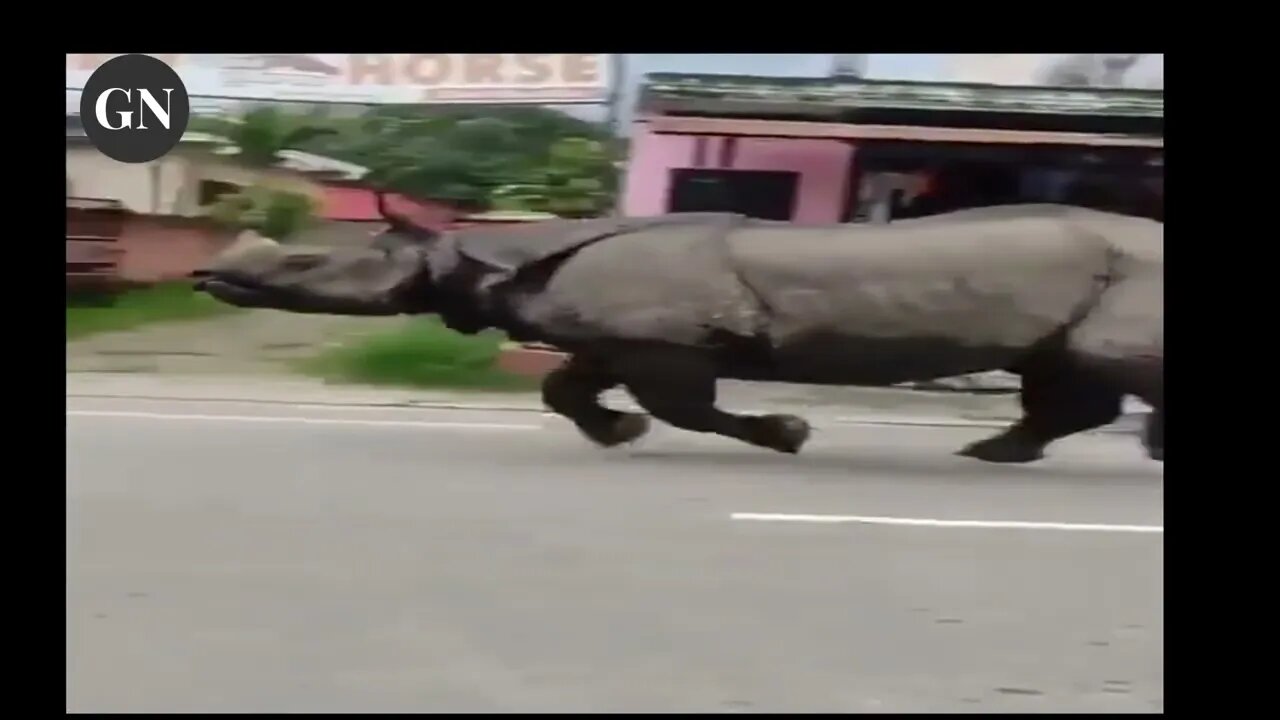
x,y
159,248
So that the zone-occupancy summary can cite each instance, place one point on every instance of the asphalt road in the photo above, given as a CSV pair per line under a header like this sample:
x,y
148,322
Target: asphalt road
x,y
240,558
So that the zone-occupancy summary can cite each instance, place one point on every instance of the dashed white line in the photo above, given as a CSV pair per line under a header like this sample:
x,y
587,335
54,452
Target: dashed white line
x,y
932,522
303,420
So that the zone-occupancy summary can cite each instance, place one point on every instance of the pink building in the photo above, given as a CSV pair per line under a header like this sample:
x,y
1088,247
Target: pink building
x,y
831,150
808,176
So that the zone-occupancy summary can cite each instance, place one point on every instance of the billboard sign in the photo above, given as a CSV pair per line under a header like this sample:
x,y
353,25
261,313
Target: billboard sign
x,y
382,78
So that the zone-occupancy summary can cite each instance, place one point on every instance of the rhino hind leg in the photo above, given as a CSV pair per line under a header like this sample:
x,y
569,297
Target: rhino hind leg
x,y
1122,340
678,387
1153,435
573,391
1058,398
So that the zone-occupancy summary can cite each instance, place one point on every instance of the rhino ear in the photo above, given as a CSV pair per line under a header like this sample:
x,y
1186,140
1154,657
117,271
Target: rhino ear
x,y
399,223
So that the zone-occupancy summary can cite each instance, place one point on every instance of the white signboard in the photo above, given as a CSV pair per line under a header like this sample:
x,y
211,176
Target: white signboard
x,y
375,79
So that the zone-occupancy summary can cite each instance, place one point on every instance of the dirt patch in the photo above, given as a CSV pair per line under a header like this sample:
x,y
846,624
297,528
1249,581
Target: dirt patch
x,y
249,343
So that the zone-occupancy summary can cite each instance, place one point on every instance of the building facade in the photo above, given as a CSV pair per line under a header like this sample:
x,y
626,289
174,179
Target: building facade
x,y
847,149
146,222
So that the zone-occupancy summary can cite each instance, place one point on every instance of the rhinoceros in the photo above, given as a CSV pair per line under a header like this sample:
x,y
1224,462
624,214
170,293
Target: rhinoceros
x,y
1070,299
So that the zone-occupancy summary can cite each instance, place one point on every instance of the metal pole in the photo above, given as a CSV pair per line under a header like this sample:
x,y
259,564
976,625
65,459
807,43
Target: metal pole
x,y
613,120
617,76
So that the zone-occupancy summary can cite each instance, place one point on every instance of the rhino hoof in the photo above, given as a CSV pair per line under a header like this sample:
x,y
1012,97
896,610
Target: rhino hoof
x,y
630,427
784,433
1003,449
626,428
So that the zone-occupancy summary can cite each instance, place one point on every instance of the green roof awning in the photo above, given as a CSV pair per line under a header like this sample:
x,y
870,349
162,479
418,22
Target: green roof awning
x,y
826,97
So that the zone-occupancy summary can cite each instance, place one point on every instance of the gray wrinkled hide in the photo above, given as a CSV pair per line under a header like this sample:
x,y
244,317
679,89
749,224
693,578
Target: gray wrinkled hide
x,y
508,248
671,282
915,299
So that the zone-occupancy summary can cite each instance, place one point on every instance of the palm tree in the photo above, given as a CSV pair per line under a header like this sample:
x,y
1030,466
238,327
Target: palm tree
x,y
261,134
257,140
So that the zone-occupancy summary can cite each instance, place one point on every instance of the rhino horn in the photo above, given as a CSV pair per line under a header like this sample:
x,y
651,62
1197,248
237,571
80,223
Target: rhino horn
x,y
250,239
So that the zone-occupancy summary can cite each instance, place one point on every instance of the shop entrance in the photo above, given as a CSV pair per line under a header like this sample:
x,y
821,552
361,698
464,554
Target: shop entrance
x,y
763,194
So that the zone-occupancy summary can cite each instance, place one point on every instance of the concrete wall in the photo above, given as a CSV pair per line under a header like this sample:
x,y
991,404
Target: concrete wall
x,y
145,249
154,187
342,233
823,165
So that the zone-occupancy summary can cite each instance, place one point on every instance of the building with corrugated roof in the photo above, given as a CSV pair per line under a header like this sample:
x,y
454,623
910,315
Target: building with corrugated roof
x,y
845,149
147,222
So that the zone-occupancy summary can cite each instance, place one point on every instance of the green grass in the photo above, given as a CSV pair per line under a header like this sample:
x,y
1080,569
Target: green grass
x,y
422,353
89,315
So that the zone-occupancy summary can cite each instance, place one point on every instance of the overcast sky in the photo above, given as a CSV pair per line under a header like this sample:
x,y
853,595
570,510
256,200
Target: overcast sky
x,y
903,66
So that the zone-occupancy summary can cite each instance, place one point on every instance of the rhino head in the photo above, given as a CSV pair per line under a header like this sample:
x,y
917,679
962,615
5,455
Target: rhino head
x,y
388,277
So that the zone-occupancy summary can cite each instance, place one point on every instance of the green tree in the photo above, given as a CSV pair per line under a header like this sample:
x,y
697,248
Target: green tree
x,y
273,213
578,179
506,158
258,138
262,133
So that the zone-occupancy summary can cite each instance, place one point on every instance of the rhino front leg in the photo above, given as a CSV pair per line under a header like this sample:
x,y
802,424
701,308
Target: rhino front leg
x,y
678,386
573,390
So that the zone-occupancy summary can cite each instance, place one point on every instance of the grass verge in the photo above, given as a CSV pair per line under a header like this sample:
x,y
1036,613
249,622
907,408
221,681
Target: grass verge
x,y
422,353
89,315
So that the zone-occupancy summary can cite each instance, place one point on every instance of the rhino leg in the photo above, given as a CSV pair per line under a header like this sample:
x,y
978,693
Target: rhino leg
x,y
573,390
678,386
1153,435
1058,399
1122,340
1078,383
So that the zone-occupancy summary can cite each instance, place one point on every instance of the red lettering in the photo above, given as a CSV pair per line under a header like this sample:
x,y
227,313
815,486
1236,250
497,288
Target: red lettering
x,y
360,68
581,68
482,68
427,69
535,69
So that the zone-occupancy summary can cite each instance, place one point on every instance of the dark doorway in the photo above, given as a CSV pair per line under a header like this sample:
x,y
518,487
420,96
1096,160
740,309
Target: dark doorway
x,y
763,194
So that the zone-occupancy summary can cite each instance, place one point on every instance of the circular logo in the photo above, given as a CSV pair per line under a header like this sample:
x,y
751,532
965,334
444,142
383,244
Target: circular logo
x,y
134,108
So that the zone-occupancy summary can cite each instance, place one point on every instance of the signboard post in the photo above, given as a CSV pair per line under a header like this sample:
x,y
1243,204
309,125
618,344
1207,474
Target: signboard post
x,y
383,78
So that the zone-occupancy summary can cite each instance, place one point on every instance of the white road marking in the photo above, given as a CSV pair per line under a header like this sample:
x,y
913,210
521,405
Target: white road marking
x,y
910,421
374,406
930,522
304,420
